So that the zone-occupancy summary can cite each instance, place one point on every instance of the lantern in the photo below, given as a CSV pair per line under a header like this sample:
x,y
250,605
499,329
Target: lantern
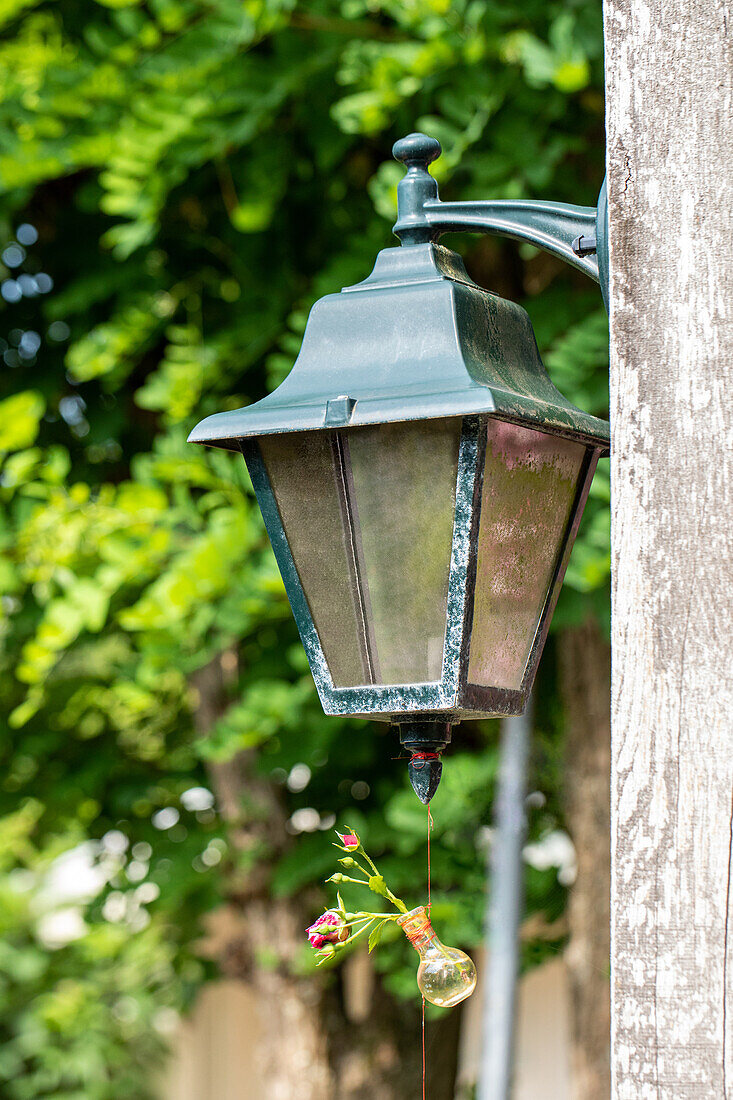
x,y
421,480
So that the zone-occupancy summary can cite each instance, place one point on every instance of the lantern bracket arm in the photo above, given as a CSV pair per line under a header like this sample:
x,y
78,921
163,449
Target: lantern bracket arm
x,y
564,230
576,234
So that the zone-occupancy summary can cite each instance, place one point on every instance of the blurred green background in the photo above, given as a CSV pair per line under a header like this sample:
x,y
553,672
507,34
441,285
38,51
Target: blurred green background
x,y
181,179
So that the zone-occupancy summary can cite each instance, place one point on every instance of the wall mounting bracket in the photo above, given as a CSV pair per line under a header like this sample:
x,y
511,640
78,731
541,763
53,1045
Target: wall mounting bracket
x,y
576,234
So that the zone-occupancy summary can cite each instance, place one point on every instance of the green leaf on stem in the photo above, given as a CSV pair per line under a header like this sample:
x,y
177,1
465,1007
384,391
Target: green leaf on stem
x,y
378,885
375,935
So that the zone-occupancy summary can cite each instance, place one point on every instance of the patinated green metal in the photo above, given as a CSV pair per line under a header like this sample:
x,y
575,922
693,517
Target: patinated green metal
x,y
577,234
417,339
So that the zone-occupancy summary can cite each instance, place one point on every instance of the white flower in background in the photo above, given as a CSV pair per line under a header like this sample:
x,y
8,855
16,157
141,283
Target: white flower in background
x,y
136,870
115,907
555,849
299,778
305,820
74,876
71,881
62,926
197,799
115,843
165,818
149,891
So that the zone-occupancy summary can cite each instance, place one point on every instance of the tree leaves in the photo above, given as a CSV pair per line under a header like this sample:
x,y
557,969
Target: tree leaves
x,y
198,175
19,418
562,62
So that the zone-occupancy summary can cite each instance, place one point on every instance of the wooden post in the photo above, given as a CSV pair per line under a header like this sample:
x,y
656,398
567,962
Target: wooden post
x,y
669,111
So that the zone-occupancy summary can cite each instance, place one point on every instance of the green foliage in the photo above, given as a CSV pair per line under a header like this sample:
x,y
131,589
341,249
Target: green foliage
x,y
86,1004
198,175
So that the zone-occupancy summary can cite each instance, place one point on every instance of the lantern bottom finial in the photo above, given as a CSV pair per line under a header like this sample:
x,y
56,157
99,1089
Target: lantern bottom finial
x,y
425,770
425,742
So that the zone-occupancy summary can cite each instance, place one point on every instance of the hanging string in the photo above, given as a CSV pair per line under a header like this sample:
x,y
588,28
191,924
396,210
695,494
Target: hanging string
x,y
423,1048
430,825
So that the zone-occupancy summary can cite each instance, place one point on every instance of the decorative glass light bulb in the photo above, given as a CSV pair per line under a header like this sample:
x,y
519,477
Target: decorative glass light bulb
x,y
445,975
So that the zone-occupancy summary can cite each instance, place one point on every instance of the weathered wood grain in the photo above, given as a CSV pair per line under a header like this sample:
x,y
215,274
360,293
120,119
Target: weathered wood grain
x,y
670,160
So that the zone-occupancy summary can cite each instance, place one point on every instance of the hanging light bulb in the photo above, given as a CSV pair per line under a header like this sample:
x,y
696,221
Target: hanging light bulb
x,y
445,975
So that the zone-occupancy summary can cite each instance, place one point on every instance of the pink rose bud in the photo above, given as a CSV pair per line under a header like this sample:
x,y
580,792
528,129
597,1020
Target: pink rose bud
x,y
329,928
349,840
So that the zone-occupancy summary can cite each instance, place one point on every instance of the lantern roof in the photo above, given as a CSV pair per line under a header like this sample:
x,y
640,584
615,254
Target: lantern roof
x,y
416,340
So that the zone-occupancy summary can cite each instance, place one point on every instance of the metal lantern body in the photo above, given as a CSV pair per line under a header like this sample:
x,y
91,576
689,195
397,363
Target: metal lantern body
x,y
422,481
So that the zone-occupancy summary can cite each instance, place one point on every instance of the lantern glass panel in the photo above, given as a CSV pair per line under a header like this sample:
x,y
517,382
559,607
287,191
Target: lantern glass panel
x,y
368,514
300,466
529,487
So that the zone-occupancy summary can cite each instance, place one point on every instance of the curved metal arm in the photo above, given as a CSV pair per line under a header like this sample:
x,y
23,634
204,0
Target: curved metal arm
x,y
577,234
553,226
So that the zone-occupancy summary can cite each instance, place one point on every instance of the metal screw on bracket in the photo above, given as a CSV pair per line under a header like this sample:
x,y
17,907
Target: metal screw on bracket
x,y
584,246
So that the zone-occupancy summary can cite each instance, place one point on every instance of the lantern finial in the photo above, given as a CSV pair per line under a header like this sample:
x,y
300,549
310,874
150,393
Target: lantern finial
x,y
425,742
425,770
416,152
